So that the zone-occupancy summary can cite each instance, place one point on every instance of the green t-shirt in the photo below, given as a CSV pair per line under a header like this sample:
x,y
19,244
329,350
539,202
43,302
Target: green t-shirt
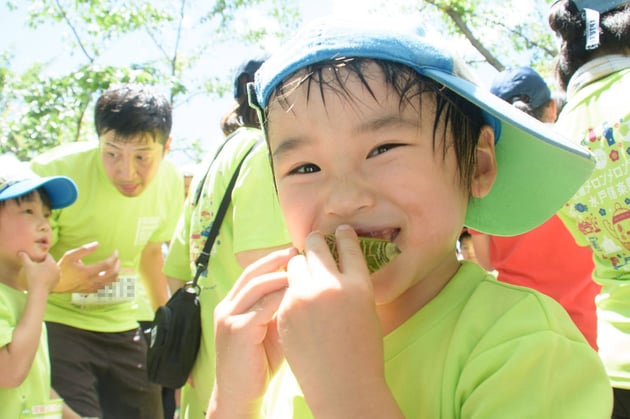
x,y
253,221
481,349
597,115
117,222
33,395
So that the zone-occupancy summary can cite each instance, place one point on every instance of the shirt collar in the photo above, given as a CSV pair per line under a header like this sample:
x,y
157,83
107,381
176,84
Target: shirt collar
x,y
595,70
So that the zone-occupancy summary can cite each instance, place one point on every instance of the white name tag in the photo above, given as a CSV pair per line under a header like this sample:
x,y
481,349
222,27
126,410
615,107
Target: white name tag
x,y
120,291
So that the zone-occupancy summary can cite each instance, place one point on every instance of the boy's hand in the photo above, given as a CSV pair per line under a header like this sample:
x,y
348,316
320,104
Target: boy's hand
x,y
77,277
247,348
39,275
328,325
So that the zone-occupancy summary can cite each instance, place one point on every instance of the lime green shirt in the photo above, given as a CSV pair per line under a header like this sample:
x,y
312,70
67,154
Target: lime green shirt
x,y
597,116
34,392
253,221
481,349
117,222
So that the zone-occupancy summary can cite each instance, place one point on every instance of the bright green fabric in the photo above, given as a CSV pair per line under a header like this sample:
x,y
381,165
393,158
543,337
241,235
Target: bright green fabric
x,y
482,349
597,116
103,214
35,389
253,221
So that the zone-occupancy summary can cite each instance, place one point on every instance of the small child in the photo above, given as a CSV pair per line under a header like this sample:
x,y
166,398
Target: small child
x,y
375,130
26,201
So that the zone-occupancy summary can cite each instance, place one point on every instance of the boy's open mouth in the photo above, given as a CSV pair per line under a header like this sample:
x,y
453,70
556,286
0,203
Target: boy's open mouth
x,y
388,234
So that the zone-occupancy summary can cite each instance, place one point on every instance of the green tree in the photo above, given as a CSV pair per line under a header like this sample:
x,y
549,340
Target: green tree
x,y
39,110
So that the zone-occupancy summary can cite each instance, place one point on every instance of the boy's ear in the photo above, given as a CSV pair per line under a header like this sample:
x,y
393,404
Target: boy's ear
x,y
486,169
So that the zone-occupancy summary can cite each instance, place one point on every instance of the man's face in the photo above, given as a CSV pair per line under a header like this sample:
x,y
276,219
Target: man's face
x,y
131,165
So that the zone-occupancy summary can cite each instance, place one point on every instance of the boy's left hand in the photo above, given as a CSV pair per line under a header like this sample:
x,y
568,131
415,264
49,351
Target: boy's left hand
x,y
329,328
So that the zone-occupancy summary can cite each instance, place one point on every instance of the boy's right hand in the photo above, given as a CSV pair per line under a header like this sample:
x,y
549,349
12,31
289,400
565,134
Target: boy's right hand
x,y
77,277
44,275
246,339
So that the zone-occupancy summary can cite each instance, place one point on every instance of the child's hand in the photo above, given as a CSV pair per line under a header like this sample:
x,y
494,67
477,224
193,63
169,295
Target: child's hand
x,y
40,275
328,325
247,348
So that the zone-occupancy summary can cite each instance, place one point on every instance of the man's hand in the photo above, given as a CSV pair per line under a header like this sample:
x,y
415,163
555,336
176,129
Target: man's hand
x,y
77,277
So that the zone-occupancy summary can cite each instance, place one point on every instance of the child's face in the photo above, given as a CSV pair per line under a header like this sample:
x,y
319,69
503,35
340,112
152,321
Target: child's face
x,y
131,166
370,164
24,227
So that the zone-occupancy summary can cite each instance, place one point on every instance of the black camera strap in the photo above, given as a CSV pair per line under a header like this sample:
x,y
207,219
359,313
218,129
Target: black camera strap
x,y
204,256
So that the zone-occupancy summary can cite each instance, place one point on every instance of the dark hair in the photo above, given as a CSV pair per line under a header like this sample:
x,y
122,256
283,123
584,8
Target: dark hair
x,y
132,109
241,115
523,104
460,117
29,197
568,23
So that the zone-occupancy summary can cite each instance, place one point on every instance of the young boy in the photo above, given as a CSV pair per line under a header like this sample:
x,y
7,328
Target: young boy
x,y
25,237
374,131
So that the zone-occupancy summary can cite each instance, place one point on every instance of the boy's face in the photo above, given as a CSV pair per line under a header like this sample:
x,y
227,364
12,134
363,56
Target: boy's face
x,y
24,227
370,164
131,165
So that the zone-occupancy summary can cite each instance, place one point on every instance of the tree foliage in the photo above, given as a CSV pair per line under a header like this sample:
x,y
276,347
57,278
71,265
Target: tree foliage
x,y
40,109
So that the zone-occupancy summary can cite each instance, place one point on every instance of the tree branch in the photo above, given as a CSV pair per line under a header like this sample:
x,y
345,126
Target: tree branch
x,y
178,37
74,31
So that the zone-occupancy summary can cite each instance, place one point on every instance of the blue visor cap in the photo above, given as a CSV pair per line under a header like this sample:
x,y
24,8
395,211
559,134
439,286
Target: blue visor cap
x,y
61,190
538,170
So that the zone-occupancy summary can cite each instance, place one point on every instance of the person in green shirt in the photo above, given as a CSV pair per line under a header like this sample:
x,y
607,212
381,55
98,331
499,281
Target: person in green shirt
x,y
129,203
252,228
376,131
593,68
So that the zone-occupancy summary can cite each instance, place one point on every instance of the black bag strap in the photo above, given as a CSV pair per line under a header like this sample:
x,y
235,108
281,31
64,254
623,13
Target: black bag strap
x,y
204,256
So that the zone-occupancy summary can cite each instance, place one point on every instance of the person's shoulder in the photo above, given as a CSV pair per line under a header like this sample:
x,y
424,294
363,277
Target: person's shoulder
x,y
234,147
500,303
248,133
170,168
66,154
243,139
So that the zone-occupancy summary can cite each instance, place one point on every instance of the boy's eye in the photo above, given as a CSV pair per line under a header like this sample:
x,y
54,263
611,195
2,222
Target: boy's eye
x,y
305,168
382,149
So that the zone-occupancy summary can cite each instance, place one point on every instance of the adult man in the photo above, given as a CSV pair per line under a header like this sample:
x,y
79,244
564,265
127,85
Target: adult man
x,y
129,200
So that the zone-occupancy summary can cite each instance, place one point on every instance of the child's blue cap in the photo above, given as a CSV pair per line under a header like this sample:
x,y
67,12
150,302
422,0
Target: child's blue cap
x,y
16,180
247,69
521,83
538,170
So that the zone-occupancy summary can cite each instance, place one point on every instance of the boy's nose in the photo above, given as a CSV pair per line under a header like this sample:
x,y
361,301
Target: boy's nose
x,y
347,196
127,169
44,224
